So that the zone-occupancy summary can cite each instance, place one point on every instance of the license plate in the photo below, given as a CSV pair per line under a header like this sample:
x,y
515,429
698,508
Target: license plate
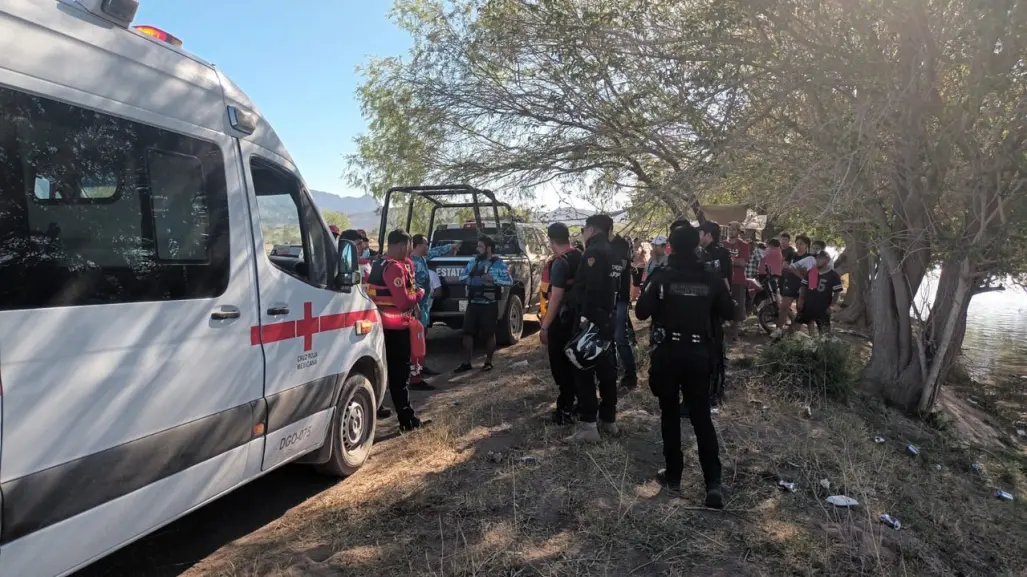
x,y
449,272
463,306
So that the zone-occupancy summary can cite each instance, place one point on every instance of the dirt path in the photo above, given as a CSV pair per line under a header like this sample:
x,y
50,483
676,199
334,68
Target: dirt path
x,y
262,504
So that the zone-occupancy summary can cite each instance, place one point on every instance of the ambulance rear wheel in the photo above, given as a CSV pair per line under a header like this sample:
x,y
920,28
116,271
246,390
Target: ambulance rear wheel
x,y
353,427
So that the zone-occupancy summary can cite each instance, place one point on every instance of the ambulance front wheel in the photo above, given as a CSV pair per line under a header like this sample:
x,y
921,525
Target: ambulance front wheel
x,y
353,427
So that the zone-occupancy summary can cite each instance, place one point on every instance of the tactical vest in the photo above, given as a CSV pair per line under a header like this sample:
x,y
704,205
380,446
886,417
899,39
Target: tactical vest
x,y
476,288
381,294
573,259
687,302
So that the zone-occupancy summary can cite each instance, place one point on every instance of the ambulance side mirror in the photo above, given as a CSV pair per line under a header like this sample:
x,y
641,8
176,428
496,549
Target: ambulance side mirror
x,y
349,266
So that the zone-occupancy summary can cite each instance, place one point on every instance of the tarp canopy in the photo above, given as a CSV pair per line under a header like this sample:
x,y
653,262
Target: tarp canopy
x,y
723,214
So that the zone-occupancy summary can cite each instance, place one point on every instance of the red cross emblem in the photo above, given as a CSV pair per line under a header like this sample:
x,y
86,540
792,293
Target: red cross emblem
x,y
308,326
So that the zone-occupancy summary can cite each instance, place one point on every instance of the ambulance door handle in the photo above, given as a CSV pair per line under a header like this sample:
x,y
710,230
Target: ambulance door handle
x,y
225,313
278,310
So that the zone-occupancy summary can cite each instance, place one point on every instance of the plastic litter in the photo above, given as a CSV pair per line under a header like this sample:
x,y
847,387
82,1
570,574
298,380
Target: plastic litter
x,y
523,364
977,468
786,486
913,450
1003,496
937,467
842,501
891,521
714,411
879,440
1021,433
528,460
825,483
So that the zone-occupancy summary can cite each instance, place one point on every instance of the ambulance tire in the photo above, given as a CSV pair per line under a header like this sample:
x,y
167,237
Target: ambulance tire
x,y
353,427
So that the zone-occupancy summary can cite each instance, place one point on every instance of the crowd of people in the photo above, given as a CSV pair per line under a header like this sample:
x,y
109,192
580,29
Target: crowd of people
x,y
693,287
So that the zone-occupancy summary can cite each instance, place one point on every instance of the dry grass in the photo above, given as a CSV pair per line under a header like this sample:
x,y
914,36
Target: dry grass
x,y
432,504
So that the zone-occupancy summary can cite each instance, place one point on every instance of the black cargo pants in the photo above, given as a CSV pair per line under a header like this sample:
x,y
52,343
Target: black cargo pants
x,y
682,370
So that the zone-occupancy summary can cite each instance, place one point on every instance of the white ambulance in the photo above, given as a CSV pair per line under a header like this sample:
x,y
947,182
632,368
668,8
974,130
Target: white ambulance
x,y
153,355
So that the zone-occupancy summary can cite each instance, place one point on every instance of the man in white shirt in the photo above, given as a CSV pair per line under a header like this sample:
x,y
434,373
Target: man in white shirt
x,y
659,256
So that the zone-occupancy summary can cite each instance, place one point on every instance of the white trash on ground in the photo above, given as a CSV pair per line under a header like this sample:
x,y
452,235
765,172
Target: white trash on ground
x,y
842,501
891,521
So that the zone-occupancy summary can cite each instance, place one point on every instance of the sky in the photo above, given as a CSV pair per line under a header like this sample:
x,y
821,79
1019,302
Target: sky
x,y
296,60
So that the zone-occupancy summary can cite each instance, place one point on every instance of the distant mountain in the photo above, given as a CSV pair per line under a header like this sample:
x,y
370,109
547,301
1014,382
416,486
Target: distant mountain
x,y
348,205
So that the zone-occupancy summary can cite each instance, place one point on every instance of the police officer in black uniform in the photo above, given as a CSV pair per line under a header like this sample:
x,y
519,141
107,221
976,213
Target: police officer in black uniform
x,y
683,299
560,322
717,259
595,297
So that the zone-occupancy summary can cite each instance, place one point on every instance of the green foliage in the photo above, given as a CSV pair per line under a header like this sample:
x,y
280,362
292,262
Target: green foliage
x,y
337,218
515,95
288,234
821,367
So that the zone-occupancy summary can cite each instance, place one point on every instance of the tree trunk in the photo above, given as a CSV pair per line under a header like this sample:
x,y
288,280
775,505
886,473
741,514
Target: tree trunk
x,y
946,326
894,365
910,365
857,297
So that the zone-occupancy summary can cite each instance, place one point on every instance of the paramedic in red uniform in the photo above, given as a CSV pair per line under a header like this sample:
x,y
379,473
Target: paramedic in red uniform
x,y
393,290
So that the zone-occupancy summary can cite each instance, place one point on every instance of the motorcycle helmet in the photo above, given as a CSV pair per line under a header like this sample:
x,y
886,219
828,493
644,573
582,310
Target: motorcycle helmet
x,y
585,347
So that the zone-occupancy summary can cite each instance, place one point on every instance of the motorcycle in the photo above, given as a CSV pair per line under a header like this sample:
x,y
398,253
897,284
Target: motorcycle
x,y
763,302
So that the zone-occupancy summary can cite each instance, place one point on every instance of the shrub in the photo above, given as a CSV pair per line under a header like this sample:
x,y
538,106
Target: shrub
x,y
821,367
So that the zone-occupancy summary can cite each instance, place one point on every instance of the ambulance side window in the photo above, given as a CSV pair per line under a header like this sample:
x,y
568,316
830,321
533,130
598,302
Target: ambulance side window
x,y
294,239
98,209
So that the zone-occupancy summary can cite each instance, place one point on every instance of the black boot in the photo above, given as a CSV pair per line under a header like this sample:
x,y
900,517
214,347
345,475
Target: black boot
x,y
383,413
715,496
672,484
410,424
562,418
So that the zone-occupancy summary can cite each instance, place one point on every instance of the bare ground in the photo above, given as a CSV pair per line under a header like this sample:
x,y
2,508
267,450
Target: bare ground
x,y
434,503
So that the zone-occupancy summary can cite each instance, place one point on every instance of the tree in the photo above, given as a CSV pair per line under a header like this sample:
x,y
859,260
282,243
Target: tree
x,y
337,218
912,117
523,94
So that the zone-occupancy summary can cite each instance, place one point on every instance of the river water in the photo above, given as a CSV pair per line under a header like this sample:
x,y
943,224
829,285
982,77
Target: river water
x,y
995,347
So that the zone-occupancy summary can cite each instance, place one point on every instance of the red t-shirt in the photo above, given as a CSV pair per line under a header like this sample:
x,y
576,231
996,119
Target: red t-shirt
x,y
739,250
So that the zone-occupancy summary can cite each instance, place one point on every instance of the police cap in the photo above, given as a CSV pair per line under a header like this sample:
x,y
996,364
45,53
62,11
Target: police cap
x,y
684,240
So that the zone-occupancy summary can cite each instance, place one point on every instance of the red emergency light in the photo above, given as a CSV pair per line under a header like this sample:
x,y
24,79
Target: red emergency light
x,y
159,34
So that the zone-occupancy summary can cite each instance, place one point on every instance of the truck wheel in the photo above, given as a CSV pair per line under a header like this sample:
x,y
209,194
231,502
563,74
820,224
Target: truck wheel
x,y
512,324
353,428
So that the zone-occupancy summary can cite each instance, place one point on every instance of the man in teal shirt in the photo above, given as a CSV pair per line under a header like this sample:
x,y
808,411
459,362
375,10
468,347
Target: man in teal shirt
x,y
420,254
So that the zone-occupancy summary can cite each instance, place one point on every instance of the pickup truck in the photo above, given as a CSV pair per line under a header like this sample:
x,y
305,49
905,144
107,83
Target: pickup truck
x,y
524,249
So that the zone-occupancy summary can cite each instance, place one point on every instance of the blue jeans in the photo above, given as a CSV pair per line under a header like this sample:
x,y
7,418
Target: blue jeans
x,y
624,349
